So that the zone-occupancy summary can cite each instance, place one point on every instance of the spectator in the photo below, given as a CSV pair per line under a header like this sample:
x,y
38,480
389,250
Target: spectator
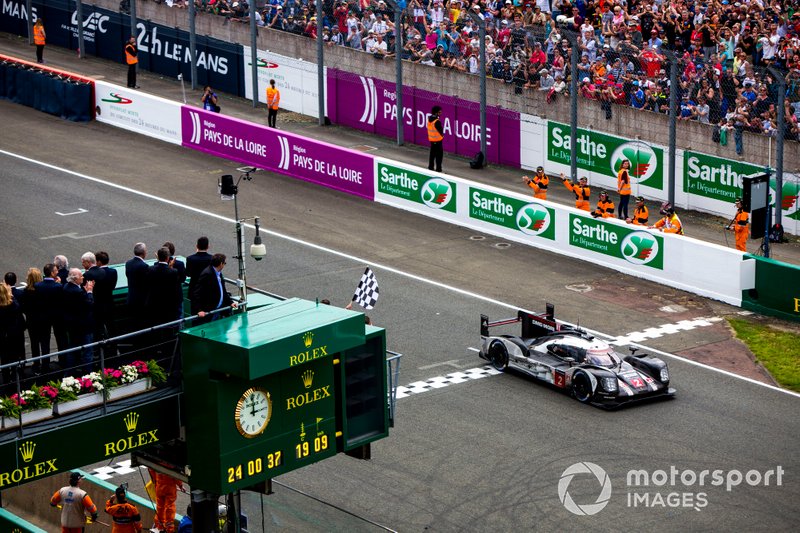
x,y
12,330
79,317
209,292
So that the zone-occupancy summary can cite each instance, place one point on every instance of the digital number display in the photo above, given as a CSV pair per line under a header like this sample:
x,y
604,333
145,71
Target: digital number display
x,y
304,449
255,467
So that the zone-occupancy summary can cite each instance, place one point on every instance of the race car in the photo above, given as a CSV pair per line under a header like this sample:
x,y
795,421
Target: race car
x,y
571,359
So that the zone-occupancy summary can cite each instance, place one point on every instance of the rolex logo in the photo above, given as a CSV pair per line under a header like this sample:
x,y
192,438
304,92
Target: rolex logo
x,y
131,420
308,339
308,378
26,450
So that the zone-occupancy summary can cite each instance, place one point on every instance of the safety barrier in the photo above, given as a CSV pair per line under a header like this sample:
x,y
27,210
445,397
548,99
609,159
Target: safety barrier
x,y
667,259
57,92
139,112
775,290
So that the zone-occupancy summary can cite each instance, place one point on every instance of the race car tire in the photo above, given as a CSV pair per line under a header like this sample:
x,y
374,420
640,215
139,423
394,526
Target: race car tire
x,y
498,356
581,387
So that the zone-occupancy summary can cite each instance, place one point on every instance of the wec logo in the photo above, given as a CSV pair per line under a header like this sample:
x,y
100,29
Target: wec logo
x,y
533,219
94,22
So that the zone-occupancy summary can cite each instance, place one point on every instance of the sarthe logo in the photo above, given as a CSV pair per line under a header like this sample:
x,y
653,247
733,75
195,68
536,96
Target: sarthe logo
x,y
533,219
115,98
436,193
589,509
639,248
642,157
370,100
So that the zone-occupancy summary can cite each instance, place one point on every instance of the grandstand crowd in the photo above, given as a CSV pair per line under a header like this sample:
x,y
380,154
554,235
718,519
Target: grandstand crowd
x,y
724,49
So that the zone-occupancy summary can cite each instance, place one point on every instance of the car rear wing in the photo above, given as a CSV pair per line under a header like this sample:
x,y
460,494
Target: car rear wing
x,y
533,325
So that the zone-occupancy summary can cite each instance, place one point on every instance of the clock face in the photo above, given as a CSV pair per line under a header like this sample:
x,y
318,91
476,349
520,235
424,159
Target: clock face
x,y
253,411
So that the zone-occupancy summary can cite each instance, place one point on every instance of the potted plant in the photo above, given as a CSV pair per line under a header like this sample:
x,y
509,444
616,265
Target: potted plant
x,y
31,405
132,379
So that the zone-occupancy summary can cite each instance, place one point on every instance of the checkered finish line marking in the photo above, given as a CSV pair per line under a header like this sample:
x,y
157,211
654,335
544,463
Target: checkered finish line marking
x,y
439,382
121,468
664,329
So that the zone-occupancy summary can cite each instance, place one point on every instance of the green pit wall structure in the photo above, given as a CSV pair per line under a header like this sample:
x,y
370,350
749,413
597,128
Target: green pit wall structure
x,y
776,291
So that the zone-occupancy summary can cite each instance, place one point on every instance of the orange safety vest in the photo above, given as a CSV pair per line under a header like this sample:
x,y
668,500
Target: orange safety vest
x,y
623,183
273,98
605,209
38,34
581,194
433,134
130,54
539,185
640,216
670,224
740,221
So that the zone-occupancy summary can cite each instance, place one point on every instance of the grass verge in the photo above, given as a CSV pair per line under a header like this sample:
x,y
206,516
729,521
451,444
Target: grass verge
x,y
778,351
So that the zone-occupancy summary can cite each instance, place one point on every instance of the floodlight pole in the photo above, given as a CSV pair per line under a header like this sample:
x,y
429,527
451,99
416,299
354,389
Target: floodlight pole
x,y
479,20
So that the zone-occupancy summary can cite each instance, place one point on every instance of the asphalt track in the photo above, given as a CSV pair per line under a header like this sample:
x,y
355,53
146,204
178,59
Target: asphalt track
x,y
483,455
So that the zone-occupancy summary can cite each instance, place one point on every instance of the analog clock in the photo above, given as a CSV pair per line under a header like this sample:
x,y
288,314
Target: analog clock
x,y
253,411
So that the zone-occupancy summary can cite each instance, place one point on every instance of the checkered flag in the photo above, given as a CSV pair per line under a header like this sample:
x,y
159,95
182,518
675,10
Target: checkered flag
x,y
367,292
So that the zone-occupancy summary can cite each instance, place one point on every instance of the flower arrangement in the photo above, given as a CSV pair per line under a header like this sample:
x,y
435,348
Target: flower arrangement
x,y
28,400
65,390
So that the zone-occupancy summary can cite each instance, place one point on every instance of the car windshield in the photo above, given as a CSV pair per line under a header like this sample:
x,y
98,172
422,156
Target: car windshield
x,y
602,357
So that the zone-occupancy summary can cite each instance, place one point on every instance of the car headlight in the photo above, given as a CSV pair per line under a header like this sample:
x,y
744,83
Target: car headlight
x,y
609,384
664,375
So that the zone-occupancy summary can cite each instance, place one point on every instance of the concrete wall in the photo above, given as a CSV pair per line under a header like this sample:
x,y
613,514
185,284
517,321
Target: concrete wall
x,y
626,122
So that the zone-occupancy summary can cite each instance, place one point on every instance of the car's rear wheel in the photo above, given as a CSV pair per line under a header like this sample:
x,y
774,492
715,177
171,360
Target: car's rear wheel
x,y
581,387
498,356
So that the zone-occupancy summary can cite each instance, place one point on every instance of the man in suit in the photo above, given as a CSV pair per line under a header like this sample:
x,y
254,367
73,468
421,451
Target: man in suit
x,y
210,293
62,263
136,271
79,317
195,264
50,302
180,266
105,281
163,290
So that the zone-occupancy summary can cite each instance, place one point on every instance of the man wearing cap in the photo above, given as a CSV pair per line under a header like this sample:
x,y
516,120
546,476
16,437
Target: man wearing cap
x,y
640,213
75,503
605,207
124,514
740,226
670,223
581,191
435,136
538,183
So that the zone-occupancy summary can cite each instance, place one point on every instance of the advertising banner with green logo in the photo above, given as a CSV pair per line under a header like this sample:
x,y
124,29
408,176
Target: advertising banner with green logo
x,y
530,218
635,246
427,190
98,439
721,179
604,154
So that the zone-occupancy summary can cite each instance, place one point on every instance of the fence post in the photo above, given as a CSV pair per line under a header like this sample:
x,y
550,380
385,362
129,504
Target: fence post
x,y
79,6
320,66
779,144
481,22
573,105
253,52
192,46
398,66
673,119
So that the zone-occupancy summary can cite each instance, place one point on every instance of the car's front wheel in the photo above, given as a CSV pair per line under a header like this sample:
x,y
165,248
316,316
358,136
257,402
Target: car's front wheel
x,y
581,387
498,356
